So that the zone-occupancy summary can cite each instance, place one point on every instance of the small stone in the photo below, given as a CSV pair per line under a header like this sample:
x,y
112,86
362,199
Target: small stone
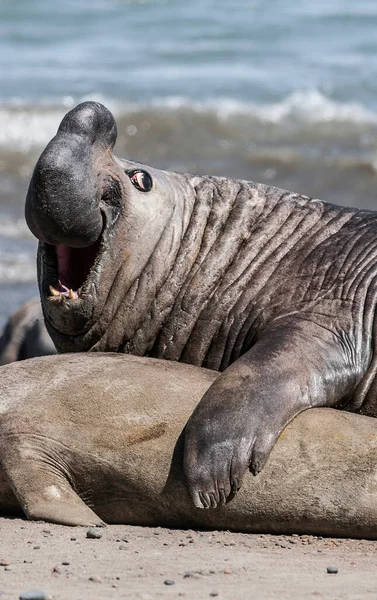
x,y
9,568
95,578
227,571
214,593
66,563
94,534
123,547
73,539
33,595
36,547
332,569
295,535
169,582
4,563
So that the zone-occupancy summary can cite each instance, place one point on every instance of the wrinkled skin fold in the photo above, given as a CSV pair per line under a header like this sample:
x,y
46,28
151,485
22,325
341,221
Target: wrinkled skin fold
x,y
274,289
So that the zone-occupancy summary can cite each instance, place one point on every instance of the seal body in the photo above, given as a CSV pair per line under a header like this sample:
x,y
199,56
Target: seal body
x,y
274,289
121,462
25,335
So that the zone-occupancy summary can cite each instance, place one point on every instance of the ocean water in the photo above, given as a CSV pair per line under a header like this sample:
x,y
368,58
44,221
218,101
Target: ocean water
x,y
279,92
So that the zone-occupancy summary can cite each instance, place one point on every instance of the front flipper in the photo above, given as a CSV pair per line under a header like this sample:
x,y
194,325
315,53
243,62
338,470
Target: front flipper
x,y
40,483
292,367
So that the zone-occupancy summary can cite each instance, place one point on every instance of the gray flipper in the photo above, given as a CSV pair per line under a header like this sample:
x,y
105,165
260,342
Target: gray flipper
x,y
40,482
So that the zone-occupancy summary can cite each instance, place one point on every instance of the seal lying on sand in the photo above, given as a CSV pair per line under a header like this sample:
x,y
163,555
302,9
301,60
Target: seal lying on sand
x,y
25,334
90,438
275,289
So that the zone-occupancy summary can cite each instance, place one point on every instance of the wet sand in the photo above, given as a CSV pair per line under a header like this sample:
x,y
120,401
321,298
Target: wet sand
x,y
146,563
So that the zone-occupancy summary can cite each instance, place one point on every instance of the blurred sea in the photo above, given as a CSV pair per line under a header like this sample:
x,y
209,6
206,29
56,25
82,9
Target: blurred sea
x,y
276,91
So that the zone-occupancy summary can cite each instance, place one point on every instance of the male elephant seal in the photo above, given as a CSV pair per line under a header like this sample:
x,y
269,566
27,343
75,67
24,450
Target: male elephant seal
x,y
89,438
275,289
25,334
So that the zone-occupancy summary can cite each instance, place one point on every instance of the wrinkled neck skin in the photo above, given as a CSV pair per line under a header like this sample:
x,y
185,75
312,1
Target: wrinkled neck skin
x,y
180,262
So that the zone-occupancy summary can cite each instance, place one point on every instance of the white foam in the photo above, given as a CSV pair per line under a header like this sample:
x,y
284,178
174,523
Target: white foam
x,y
24,126
314,107
18,267
305,105
23,129
14,229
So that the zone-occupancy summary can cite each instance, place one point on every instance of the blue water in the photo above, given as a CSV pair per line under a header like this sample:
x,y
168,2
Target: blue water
x,y
272,90
259,51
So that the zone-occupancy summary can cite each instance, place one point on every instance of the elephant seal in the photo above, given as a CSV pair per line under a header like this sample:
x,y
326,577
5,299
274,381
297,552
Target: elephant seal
x,y
274,289
87,438
25,335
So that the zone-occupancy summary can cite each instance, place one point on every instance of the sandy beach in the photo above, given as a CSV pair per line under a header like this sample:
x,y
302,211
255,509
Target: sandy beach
x,y
146,563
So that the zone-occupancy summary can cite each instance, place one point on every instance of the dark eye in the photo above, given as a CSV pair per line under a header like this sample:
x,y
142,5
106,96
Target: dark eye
x,y
141,180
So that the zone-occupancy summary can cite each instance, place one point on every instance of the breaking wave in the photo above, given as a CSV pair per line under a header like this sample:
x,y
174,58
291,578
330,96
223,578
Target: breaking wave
x,y
25,126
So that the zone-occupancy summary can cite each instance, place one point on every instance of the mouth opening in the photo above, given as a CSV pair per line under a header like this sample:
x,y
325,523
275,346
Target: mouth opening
x,y
73,266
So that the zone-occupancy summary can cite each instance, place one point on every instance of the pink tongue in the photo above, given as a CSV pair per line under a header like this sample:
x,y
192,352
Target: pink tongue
x,y
74,264
64,254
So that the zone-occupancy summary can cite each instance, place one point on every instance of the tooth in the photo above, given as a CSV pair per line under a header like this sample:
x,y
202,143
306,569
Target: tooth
x,y
54,292
71,294
63,287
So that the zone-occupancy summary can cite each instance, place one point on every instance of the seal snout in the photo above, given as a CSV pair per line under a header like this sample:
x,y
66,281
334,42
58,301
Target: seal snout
x,y
62,204
91,120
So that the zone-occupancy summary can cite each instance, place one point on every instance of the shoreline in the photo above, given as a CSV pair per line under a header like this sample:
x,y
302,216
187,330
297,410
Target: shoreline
x,y
136,562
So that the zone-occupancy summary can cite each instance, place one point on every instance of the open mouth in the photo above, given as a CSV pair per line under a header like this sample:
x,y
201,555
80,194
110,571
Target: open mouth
x,y
68,273
73,267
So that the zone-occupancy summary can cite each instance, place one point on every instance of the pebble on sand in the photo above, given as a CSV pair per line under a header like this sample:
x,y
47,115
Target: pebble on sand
x,y
169,582
332,569
33,595
94,534
95,579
